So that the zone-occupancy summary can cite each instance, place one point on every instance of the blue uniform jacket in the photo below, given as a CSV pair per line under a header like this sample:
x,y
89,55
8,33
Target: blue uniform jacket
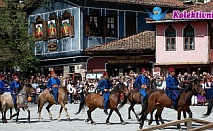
x,y
172,83
104,84
52,81
15,87
140,80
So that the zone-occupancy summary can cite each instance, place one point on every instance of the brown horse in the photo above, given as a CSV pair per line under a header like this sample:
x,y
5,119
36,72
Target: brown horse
x,y
22,102
46,96
158,100
135,98
209,108
95,100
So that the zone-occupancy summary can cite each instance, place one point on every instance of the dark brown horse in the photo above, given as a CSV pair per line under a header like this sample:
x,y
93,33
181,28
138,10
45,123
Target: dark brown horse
x,y
158,100
95,100
46,96
209,108
135,98
22,102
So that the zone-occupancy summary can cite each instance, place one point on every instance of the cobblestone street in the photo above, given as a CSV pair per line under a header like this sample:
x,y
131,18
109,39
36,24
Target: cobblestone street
x,y
77,122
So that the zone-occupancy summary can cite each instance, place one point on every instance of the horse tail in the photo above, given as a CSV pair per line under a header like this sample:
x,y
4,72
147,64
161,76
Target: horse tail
x,y
209,109
81,105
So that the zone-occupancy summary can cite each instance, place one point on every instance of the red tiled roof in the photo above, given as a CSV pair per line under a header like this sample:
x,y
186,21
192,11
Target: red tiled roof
x,y
142,41
170,3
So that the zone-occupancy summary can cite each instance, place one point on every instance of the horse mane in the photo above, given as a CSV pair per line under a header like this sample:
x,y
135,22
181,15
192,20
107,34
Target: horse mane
x,y
116,87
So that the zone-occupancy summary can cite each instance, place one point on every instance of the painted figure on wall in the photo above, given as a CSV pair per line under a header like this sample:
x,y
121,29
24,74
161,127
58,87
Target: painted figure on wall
x,y
65,27
39,31
51,29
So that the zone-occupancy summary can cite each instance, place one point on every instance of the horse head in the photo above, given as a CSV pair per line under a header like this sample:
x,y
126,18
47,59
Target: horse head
x,y
29,89
121,88
63,82
195,86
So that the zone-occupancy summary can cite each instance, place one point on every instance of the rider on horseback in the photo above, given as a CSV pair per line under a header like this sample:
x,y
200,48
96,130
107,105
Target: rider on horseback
x,y
15,88
172,88
105,86
3,84
53,84
141,82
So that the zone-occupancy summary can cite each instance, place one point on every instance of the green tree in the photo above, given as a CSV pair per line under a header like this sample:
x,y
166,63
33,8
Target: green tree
x,y
16,45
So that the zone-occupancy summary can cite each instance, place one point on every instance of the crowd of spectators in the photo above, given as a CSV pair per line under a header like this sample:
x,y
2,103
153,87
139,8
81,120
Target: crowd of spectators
x,y
77,89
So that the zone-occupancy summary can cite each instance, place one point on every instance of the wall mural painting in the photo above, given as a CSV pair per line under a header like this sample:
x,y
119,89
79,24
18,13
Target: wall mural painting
x,y
52,29
39,31
65,28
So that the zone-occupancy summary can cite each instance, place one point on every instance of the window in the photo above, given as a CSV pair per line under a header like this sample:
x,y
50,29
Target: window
x,y
130,24
93,24
103,26
111,25
170,34
188,35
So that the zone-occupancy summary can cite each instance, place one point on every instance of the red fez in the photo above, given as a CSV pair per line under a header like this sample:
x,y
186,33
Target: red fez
x,y
171,69
1,75
105,73
52,72
143,69
14,77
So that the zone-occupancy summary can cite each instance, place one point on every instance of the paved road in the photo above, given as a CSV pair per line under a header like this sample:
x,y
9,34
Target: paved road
x,y
77,121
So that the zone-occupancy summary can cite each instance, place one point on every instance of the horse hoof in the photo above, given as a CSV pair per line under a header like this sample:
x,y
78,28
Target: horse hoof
x,y
59,120
68,119
93,123
87,120
123,123
180,129
108,123
17,122
140,127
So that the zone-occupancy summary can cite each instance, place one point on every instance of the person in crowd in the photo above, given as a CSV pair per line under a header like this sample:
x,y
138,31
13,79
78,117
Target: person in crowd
x,y
172,88
15,88
105,86
160,83
142,82
53,84
201,99
69,89
208,88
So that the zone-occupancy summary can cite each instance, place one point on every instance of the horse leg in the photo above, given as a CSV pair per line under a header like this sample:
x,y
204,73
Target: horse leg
x,y
179,117
158,113
89,115
107,120
4,120
188,110
151,118
59,114
48,110
119,114
18,110
65,108
28,111
40,106
160,117
11,112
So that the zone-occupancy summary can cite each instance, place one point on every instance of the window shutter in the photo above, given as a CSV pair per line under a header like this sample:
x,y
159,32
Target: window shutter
x,y
116,26
87,25
72,32
100,25
59,28
104,26
33,30
44,23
